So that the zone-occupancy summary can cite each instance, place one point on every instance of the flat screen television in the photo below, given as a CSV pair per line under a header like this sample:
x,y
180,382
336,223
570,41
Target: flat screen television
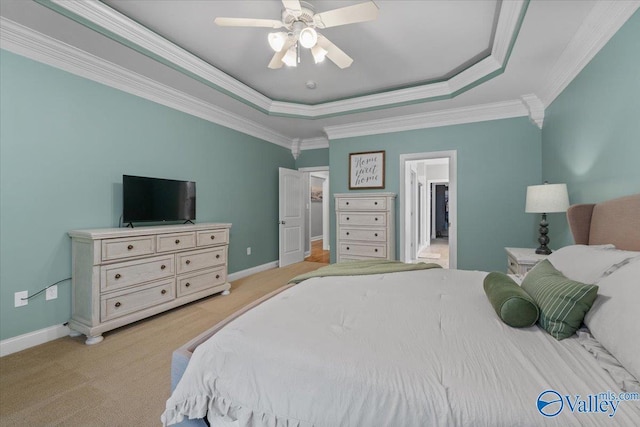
x,y
153,199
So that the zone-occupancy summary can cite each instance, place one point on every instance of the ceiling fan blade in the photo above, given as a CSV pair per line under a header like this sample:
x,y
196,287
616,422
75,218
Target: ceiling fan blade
x,y
276,60
293,6
361,12
334,53
248,22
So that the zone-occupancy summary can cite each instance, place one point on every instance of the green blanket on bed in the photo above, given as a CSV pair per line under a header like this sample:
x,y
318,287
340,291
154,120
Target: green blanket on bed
x,y
359,268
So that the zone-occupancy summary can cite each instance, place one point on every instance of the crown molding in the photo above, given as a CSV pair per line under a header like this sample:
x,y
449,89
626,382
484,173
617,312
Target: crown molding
x,y
24,41
535,107
160,48
604,20
456,116
111,23
314,143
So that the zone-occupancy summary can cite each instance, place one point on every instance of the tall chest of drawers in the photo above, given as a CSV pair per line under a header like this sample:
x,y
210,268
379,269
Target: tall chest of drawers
x,y
121,275
365,226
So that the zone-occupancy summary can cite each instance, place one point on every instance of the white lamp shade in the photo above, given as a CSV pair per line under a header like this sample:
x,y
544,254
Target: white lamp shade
x,y
308,37
547,198
276,40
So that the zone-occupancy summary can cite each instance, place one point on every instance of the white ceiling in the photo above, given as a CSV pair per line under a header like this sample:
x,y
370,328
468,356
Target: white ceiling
x,y
416,61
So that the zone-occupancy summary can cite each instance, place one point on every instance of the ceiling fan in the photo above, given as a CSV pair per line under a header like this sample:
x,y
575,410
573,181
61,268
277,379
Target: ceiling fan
x,y
300,22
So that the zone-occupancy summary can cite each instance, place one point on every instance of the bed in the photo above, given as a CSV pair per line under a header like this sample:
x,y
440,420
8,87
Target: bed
x,y
426,347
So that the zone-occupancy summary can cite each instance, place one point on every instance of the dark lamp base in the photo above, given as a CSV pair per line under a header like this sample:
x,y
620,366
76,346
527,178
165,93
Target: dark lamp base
x,y
543,250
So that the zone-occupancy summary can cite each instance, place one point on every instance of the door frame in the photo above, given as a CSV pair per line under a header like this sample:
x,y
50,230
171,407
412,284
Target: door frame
x,y
453,201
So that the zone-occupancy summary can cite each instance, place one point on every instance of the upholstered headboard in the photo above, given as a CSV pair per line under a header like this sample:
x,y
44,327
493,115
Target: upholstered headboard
x,y
615,221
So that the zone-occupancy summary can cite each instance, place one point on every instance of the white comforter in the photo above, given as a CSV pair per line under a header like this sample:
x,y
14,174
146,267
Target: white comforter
x,y
421,348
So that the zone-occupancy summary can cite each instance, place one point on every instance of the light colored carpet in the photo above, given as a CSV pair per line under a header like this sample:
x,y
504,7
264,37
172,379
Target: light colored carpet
x,y
124,380
438,250
426,253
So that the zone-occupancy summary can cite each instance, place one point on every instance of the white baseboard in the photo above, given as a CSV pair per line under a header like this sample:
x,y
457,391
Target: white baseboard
x,y
31,339
253,270
313,239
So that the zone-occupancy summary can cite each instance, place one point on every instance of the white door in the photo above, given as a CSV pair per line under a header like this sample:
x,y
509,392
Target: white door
x,y
291,216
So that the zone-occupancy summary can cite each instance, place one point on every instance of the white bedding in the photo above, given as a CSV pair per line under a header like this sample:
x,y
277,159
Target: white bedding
x,y
421,348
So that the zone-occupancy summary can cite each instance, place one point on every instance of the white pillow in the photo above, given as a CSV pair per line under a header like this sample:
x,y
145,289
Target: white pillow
x,y
614,318
589,264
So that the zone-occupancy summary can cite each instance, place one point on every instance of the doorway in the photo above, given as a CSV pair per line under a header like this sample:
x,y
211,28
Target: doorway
x,y
428,208
317,214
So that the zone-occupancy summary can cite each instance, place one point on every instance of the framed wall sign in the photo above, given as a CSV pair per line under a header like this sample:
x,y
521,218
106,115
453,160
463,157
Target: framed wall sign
x,y
366,170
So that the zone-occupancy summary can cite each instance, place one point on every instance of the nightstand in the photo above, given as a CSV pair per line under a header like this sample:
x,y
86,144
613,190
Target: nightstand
x,y
521,260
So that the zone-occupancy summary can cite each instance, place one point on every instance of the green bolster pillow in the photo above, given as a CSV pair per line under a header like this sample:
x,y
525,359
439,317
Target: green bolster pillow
x,y
512,304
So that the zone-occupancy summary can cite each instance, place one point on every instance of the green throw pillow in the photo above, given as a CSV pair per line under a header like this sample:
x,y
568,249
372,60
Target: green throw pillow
x,y
563,302
512,304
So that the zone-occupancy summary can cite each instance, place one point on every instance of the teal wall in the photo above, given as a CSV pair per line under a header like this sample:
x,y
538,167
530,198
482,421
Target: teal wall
x,y
496,162
591,133
313,158
65,143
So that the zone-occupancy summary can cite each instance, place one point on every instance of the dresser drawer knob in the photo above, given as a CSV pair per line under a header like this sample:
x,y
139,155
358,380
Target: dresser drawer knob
x,y
117,304
375,203
347,233
218,256
177,241
347,203
164,291
130,247
217,276
376,250
186,285
213,237
347,218
376,218
118,276
375,234
162,267
347,247
187,262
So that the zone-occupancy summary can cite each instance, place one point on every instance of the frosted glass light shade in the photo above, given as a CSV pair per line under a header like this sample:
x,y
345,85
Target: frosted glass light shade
x,y
290,58
308,37
276,40
318,53
547,198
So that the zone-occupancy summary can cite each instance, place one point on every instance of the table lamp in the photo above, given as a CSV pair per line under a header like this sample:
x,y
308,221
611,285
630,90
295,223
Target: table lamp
x,y
544,199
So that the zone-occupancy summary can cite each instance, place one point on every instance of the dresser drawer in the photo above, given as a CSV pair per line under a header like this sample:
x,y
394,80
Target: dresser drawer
x,y
367,234
176,241
361,203
123,274
192,283
373,251
197,260
212,237
122,303
127,247
363,219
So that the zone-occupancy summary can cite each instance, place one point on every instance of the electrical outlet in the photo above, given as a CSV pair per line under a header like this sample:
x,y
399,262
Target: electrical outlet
x,y
18,298
52,292
249,251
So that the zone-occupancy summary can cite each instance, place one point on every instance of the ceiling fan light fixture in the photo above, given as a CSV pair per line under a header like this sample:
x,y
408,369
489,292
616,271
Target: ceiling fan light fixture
x,y
277,40
318,54
308,37
290,58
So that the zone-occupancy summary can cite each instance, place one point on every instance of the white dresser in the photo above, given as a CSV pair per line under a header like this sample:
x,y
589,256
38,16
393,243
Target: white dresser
x,y
365,226
121,275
